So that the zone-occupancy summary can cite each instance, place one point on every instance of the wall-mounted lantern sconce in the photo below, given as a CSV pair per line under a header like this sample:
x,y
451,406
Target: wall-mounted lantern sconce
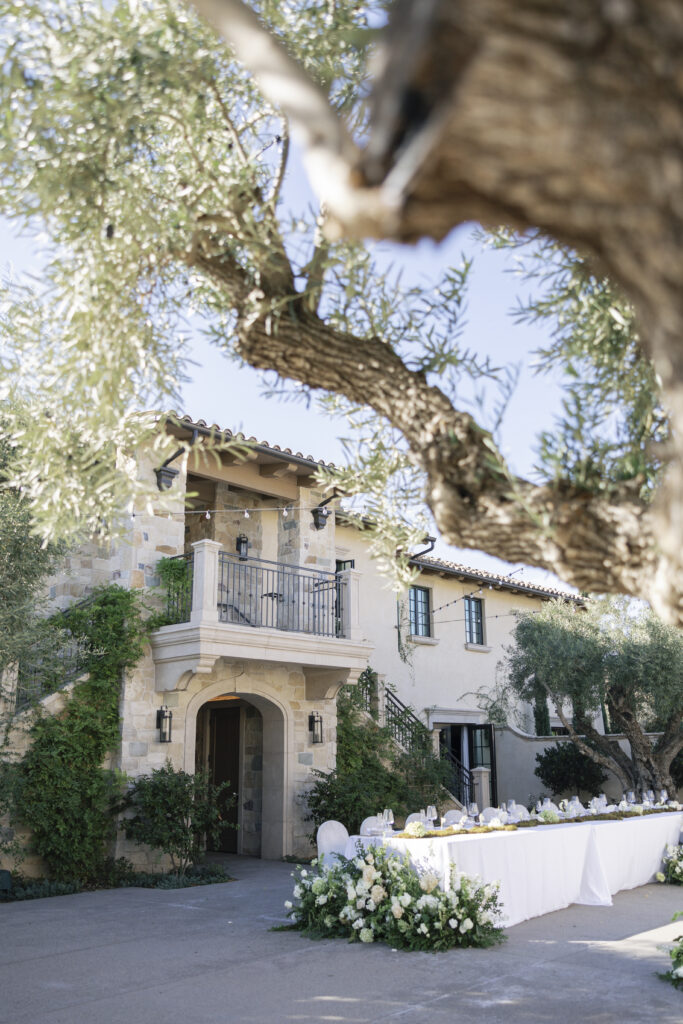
x,y
242,547
165,474
164,720
321,514
315,726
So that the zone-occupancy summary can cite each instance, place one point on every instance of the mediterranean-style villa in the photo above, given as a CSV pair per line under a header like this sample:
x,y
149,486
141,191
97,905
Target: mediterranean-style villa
x,y
285,606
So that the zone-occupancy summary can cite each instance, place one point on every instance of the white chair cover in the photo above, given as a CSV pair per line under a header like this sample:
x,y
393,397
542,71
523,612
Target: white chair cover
x,y
370,825
493,812
331,840
415,816
520,812
453,817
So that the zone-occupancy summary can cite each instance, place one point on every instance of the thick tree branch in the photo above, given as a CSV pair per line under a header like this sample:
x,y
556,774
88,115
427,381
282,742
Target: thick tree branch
x,y
567,117
602,753
603,544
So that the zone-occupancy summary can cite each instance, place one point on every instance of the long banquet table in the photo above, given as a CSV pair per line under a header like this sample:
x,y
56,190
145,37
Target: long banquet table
x,y
550,866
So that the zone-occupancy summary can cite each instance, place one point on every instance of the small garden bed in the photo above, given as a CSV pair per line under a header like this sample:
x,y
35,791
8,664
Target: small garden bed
x,y
121,876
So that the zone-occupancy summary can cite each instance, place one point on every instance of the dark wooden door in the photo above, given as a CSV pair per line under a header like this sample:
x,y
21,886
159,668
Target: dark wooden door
x,y
225,767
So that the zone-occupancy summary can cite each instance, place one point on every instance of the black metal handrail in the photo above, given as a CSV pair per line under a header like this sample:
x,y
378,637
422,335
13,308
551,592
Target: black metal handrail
x,y
403,724
407,730
461,782
257,592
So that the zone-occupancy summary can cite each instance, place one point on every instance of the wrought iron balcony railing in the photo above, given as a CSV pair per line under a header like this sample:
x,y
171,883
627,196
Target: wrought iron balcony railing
x,y
218,585
256,592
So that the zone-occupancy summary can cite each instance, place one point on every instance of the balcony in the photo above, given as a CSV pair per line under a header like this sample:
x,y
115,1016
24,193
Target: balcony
x,y
225,606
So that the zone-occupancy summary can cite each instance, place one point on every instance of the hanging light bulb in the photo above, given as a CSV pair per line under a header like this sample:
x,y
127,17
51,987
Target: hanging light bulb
x,y
208,514
246,513
284,513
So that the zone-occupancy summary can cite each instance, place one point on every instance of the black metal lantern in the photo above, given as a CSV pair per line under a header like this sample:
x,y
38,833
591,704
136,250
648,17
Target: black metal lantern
x,y
242,547
315,726
164,722
165,476
320,516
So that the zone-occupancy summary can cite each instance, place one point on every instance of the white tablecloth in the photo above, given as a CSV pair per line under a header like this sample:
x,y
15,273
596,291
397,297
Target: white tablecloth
x,y
548,867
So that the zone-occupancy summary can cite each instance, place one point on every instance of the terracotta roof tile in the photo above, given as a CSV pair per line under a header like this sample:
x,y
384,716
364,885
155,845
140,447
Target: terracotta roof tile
x,y
187,421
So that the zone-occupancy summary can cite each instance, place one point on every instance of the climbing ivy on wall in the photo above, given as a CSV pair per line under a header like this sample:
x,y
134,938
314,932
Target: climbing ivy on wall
x,y
61,792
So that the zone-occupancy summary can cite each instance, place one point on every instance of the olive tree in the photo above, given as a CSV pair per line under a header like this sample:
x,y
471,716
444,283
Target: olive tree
x,y
610,660
156,166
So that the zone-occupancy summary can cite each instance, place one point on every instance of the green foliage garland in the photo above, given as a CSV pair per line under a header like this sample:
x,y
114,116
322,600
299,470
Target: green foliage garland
x,y
61,791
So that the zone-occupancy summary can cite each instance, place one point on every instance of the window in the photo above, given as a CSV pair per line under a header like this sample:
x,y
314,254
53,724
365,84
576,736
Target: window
x,y
341,564
418,610
474,621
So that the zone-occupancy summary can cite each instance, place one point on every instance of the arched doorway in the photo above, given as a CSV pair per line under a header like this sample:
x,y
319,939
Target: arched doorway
x,y
229,748
241,737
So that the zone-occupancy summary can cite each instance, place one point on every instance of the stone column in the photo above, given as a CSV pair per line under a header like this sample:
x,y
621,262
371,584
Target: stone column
x,y
205,582
351,625
481,778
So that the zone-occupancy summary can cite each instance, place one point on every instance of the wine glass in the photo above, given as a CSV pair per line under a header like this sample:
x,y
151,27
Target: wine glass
x,y
431,814
473,810
390,819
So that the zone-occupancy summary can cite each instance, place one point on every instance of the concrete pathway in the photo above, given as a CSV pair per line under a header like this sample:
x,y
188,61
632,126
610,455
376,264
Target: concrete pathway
x,y
206,956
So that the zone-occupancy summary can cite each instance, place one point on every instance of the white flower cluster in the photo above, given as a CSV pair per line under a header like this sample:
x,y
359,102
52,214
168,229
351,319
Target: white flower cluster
x,y
672,862
376,896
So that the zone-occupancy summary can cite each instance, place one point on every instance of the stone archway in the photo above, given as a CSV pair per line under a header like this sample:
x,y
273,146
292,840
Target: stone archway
x,y
277,743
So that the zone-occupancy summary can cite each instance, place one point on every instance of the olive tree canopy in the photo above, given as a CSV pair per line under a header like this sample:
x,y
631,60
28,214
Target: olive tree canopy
x,y
154,164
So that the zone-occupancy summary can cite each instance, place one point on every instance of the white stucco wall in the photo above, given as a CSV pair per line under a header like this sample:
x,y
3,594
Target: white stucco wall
x,y
443,675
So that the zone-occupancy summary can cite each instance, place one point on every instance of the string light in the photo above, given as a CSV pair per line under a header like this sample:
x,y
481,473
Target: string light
x,y
208,514
246,513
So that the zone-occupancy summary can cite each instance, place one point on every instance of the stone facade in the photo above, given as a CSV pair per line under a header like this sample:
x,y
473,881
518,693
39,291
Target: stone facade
x,y
277,668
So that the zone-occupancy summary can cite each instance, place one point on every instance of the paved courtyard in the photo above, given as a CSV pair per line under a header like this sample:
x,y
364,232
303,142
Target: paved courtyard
x,y
206,956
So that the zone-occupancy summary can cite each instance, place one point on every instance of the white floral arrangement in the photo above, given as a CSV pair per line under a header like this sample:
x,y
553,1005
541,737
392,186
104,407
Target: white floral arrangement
x,y
675,972
416,830
548,817
377,897
672,863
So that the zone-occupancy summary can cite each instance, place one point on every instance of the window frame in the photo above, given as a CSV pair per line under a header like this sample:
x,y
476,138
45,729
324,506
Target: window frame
x,y
475,631
417,618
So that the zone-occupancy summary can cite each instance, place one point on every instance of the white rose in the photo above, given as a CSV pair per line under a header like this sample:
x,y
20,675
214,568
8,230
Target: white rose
x,y
321,900
453,922
466,925
370,905
397,910
405,899
298,891
288,904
